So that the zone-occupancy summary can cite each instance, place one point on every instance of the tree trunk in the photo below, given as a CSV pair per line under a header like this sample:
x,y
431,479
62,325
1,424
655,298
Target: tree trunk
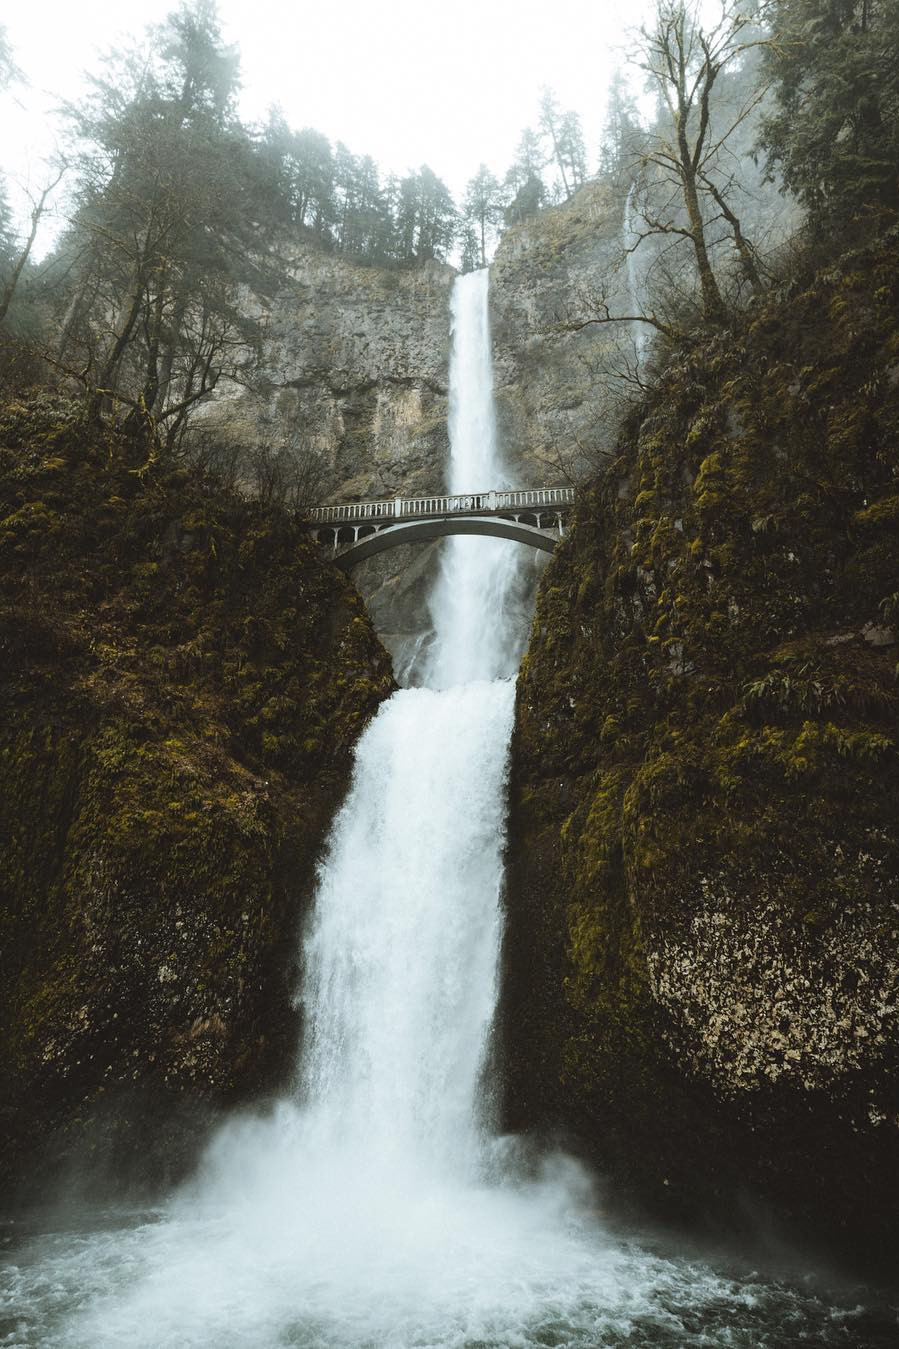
x,y
741,243
114,359
9,289
712,301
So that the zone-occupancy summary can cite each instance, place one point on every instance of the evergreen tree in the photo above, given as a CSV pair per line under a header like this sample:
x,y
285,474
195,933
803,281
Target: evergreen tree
x,y
314,181
572,149
551,130
8,73
621,132
835,134
526,202
564,140
346,198
167,230
469,249
482,209
529,161
426,217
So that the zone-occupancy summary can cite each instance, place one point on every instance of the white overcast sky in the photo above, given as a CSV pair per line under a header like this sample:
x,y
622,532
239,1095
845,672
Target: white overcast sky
x,y
406,81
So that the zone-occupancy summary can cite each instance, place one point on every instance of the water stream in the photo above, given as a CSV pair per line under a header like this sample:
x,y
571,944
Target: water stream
x,y
376,1206
630,241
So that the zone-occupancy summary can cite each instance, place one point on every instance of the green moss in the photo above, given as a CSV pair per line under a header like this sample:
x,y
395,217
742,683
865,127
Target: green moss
x,y
702,725
183,680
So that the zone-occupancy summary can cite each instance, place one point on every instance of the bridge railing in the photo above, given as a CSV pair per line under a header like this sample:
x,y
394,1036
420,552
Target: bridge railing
x,y
401,508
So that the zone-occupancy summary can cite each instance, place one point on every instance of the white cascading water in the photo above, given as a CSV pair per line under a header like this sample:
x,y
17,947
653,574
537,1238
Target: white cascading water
x,y
373,1208
400,963
631,239
475,604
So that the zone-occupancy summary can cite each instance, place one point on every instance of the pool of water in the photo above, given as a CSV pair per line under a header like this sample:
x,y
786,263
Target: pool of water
x,y
484,1268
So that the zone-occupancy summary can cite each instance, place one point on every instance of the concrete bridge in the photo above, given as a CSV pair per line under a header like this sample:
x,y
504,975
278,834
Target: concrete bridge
x,y
535,516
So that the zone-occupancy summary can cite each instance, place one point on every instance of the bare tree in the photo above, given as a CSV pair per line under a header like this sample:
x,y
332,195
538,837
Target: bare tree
x,y
688,149
38,209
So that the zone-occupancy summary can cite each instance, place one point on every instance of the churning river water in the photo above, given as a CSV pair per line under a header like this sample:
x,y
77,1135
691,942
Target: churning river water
x,y
375,1205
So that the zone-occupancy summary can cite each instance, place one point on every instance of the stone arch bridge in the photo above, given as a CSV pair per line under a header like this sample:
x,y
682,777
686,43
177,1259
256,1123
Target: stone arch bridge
x,y
535,516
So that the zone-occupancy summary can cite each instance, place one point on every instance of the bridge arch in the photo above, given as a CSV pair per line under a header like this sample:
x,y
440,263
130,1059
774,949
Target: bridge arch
x,y
421,531
361,529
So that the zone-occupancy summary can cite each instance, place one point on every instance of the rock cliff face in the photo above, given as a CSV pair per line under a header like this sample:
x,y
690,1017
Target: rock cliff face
x,y
183,682
355,362
702,966
552,411
355,371
354,376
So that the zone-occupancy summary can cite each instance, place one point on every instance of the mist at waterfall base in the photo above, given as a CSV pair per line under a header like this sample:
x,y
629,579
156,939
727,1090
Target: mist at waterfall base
x,y
375,1205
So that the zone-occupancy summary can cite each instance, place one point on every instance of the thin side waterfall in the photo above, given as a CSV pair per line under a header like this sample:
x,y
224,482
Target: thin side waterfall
x,y
634,290
374,1208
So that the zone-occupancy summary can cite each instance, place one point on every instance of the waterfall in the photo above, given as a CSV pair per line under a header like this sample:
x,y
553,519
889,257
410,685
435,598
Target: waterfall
x,y
400,978
630,240
400,962
476,601
371,1208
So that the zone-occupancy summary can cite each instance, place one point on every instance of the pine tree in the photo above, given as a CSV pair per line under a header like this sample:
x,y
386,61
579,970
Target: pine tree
x,y
563,139
529,161
168,228
621,131
469,250
835,135
526,202
426,217
482,208
551,130
572,149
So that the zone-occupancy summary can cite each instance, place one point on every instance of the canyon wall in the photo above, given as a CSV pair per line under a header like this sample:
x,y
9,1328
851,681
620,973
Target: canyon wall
x,y
701,978
555,407
183,680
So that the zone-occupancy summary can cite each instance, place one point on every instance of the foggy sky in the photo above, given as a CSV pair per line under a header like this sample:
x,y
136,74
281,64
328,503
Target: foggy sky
x,y
406,81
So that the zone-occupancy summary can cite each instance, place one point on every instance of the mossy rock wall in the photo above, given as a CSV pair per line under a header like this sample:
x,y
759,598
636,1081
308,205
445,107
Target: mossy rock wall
x,y
702,962
183,680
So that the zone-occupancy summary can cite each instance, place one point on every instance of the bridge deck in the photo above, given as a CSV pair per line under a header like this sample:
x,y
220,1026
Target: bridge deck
x,y
422,508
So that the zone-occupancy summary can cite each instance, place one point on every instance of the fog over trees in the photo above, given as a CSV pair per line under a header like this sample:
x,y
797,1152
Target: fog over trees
x,y
181,220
